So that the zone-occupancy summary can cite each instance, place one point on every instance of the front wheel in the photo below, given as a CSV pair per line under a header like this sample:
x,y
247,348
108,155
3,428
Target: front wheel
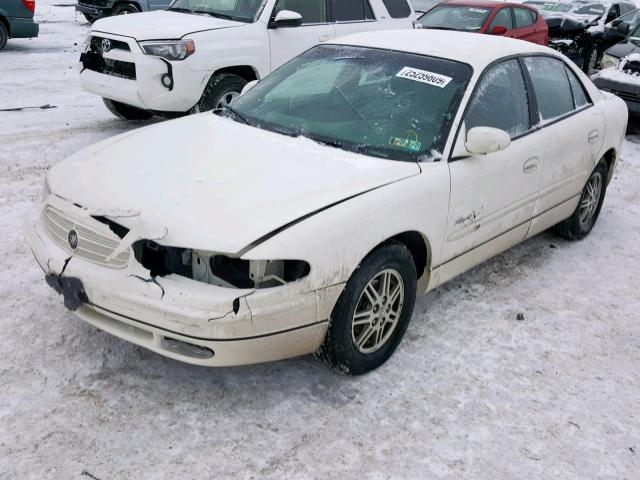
x,y
584,217
373,312
221,91
125,9
126,112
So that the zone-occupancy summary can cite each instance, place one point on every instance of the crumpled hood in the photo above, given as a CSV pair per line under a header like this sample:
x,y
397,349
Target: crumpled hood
x,y
560,23
215,184
623,49
160,24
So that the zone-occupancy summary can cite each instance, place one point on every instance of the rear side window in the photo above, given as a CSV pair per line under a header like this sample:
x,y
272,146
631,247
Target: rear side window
x,y
397,8
502,19
351,10
523,17
551,86
580,98
500,100
312,11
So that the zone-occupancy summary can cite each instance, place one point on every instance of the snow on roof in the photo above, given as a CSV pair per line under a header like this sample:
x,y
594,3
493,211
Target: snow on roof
x,y
476,49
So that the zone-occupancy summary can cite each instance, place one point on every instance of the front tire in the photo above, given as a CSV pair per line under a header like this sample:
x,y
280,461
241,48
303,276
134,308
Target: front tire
x,y
221,91
584,217
125,9
4,35
373,312
126,112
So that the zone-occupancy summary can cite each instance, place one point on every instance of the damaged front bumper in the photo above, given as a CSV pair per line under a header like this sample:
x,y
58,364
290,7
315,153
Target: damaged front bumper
x,y
176,316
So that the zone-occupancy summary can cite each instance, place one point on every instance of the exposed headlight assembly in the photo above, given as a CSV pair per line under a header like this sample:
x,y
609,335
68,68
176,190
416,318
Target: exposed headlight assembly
x,y
609,61
169,49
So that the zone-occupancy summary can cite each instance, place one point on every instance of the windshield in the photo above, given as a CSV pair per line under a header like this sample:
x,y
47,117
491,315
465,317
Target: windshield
x,y
458,17
579,9
632,18
239,10
377,102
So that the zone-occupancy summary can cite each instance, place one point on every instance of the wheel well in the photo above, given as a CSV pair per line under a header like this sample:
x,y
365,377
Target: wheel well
x,y
6,25
610,158
244,71
127,2
417,245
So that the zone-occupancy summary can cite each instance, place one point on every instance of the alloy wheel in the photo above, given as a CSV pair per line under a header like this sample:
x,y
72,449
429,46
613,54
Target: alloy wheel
x,y
227,99
590,199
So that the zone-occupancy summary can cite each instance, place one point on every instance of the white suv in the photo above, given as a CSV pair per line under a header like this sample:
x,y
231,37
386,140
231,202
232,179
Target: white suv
x,y
199,54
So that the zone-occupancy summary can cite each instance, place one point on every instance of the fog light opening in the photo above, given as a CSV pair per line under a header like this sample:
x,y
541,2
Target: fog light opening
x,y
187,349
167,81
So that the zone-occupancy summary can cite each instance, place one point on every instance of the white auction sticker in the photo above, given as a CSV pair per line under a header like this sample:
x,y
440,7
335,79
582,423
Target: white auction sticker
x,y
423,76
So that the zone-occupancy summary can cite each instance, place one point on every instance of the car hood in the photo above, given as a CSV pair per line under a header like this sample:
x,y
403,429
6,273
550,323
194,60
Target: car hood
x,y
567,23
214,184
161,24
623,49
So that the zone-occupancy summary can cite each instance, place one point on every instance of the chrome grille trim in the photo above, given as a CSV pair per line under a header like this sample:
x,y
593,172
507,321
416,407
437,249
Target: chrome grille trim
x,y
93,245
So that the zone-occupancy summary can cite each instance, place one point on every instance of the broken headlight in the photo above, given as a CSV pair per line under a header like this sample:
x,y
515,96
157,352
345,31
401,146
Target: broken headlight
x,y
169,49
217,269
609,61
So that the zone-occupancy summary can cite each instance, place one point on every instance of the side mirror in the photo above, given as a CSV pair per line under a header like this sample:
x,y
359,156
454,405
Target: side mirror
x,y
483,140
616,22
623,28
249,86
498,30
286,18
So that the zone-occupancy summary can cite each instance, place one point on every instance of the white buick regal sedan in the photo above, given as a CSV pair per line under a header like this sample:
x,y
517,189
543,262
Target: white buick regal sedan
x,y
308,216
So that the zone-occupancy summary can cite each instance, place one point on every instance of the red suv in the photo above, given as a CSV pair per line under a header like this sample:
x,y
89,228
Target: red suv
x,y
495,18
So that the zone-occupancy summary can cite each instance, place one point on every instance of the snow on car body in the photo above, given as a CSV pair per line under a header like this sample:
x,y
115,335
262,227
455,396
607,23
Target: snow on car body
x,y
196,56
235,244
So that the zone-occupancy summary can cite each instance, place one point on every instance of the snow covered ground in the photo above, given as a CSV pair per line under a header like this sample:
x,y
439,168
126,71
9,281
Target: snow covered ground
x,y
471,393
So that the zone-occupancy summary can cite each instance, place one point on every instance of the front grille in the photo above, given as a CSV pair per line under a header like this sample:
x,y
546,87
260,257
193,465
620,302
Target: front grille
x,y
96,44
93,245
94,61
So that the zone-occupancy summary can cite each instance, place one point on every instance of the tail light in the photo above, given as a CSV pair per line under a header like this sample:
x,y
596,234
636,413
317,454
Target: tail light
x,y
30,4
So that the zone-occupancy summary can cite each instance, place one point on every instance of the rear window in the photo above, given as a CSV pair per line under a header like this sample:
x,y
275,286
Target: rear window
x,y
397,8
455,17
351,10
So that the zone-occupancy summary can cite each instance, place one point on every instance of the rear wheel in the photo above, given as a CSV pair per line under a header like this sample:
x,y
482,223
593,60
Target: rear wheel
x,y
373,312
584,217
125,9
4,35
221,91
125,111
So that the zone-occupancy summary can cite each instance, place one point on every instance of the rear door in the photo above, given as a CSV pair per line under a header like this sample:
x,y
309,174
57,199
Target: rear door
x,y
494,195
288,42
352,16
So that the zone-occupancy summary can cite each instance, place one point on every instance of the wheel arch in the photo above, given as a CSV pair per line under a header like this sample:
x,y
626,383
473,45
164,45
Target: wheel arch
x,y
610,159
135,3
247,72
5,22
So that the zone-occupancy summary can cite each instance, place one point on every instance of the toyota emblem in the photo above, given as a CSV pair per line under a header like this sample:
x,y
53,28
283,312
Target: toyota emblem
x,y
105,44
72,238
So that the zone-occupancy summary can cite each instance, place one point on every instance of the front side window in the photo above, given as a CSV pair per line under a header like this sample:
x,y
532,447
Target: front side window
x,y
312,11
351,10
551,86
523,17
502,19
455,17
500,100
238,10
397,8
376,102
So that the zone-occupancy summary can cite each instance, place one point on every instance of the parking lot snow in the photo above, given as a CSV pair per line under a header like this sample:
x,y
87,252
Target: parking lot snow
x,y
525,367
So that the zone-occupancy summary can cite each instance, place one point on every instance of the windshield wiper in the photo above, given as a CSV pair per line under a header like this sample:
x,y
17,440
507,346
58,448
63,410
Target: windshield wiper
x,y
179,9
236,114
213,14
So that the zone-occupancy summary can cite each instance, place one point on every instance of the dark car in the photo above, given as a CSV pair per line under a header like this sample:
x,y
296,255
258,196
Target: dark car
x,y
16,20
578,29
94,9
494,18
623,77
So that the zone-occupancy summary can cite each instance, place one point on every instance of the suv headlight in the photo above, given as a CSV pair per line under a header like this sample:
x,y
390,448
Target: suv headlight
x,y
609,61
169,49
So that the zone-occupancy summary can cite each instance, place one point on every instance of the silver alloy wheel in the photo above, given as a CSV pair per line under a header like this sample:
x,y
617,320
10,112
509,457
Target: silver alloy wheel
x,y
590,199
378,311
227,99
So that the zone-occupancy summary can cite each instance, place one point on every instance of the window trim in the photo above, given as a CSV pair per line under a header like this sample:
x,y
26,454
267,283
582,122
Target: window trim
x,y
327,12
332,18
534,114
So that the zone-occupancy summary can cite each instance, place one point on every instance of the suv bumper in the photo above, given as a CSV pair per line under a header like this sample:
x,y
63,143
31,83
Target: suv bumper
x,y
23,27
146,90
175,316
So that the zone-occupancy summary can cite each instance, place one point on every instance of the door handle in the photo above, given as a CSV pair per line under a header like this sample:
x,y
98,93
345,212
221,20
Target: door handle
x,y
593,136
324,38
530,165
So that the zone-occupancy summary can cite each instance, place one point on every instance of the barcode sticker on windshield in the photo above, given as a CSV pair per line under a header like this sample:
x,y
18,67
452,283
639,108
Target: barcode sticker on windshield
x,y
423,76
478,10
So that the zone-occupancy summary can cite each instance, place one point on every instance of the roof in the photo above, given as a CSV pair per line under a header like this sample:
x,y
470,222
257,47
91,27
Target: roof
x,y
476,49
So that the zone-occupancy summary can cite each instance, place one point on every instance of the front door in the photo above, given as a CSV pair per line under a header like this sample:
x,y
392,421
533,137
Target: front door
x,y
288,42
494,195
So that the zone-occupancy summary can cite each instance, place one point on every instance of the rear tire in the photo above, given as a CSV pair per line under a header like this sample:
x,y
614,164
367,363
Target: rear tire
x,y
372,313
584,217
221,91
126,112
125,9
4,35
